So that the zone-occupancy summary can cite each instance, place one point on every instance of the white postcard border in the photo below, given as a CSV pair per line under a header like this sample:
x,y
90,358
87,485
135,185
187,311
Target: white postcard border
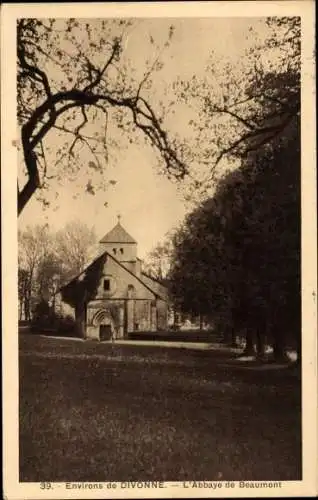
x,y
10,12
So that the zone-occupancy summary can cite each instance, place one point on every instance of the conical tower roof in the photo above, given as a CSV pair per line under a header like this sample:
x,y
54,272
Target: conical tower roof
x,y
117,235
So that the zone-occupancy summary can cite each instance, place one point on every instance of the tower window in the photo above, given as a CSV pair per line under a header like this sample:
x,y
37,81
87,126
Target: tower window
x,y
106,285
121,250
114,251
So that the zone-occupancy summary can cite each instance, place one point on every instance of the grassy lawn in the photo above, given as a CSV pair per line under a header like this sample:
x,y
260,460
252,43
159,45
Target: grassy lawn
x,y
101,412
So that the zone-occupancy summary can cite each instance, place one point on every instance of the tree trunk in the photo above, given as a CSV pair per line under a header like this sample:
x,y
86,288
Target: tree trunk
x,y
201,321
260,347
226,337
25,195
233,338
249,348
229,337
27,309
53,302
27,304
21,310
279,347
33,182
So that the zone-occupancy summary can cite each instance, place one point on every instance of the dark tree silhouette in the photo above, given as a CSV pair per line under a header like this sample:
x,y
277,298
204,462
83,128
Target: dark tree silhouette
x,y
237,257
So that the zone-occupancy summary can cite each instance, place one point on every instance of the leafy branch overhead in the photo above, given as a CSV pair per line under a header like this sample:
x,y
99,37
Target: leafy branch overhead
x,y
243,105
71,74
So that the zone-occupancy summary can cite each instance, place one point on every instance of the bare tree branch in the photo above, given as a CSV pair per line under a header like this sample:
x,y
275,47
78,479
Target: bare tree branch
x,y
101,73
227,111
42,101
261,135
68,131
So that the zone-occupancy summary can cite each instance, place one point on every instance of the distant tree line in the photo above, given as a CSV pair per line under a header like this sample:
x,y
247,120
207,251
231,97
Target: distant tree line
x,y
47,260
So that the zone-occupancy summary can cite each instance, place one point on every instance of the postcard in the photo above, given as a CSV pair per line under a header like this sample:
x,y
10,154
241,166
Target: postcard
x,y
159,250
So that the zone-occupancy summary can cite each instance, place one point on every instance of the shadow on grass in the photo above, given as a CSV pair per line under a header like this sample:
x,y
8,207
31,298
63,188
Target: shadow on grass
x,y
130,413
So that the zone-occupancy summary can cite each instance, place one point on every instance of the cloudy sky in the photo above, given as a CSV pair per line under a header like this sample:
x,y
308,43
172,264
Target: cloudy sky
x,y
149,204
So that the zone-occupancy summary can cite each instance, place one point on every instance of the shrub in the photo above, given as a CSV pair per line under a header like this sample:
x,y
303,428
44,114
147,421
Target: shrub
x,y
66,325
45,320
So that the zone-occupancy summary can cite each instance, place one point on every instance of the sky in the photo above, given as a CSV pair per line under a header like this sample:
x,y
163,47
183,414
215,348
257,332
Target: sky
x,y
149,204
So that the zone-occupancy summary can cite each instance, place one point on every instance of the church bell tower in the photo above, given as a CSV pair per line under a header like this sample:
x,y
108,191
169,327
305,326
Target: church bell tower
x,y
120,245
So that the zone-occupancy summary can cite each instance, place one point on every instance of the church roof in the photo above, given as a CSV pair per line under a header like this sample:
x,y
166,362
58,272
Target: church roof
x,y
95,262
117,235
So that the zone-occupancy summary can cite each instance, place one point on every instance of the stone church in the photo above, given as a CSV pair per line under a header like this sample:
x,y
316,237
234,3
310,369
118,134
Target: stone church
x,y
113,297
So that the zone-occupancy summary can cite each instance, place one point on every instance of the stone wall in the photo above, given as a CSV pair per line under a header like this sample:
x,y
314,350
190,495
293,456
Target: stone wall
x,y
120,280
121,251
110,312
162,315
142,315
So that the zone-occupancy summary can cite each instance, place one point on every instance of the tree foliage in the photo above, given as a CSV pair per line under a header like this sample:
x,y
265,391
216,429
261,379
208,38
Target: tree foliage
x,y
49,276
48,259
71,74
75,245
237,257
157,262
33,247
244,105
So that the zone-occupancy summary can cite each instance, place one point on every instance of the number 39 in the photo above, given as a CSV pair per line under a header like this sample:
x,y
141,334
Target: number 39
x,y
45,486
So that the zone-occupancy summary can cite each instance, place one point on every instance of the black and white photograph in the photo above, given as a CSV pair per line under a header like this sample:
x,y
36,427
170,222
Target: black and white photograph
x,y
161,334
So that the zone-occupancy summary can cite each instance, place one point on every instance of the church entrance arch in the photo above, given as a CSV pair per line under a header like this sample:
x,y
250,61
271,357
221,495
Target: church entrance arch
x,y
105,324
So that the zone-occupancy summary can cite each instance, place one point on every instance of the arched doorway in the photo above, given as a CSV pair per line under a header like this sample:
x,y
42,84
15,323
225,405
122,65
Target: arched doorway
x,y
105,324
